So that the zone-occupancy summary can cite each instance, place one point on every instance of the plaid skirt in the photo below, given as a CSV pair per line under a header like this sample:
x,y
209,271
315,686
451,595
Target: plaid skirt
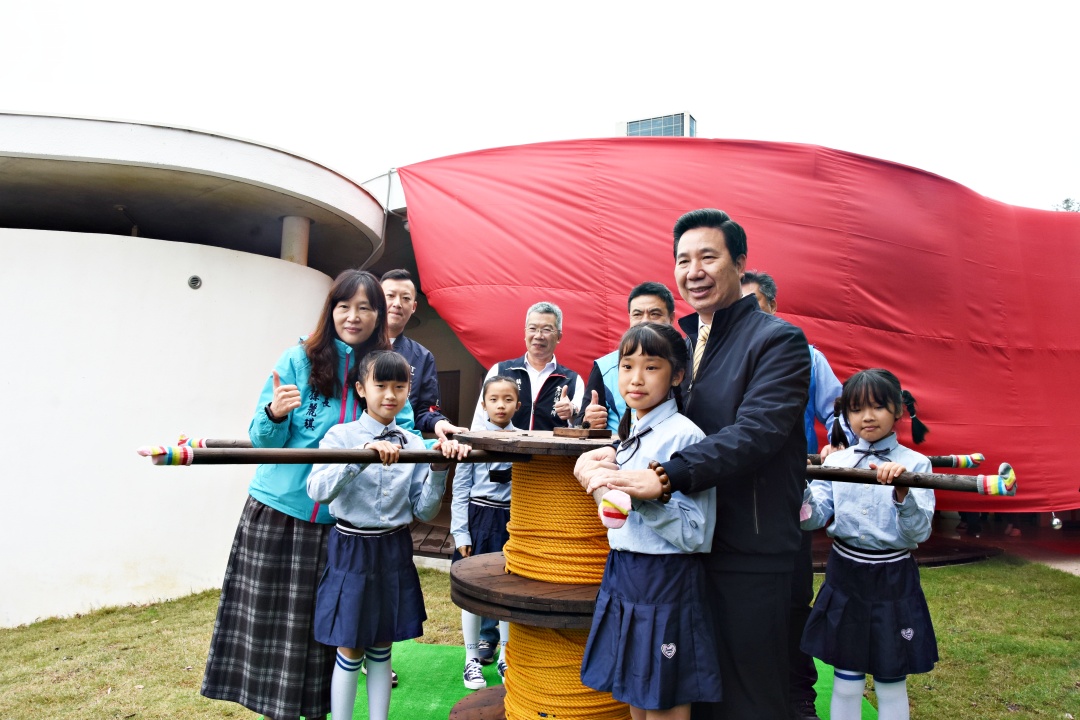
x,y
263,654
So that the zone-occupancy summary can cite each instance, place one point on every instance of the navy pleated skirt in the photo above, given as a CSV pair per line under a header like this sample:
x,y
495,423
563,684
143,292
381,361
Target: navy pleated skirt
x,y
487,528
872,618
370,592
652,640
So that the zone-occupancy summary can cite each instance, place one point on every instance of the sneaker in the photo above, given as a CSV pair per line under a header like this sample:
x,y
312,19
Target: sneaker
x,y
501,667
804,710
473,676
393,675
486,650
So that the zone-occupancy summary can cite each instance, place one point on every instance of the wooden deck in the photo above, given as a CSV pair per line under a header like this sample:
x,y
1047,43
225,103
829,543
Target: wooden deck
x,y
433,540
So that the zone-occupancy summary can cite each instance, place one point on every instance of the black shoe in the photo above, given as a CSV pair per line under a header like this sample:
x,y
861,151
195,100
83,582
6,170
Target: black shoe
x,y
804,710
486,650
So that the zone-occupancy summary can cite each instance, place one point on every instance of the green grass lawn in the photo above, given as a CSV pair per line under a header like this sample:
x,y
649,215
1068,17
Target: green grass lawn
x,y
1008,634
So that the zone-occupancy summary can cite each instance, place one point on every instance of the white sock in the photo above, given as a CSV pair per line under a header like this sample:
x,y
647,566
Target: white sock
x,y
378,683
847,694
892,700
470,630
504,635
343,686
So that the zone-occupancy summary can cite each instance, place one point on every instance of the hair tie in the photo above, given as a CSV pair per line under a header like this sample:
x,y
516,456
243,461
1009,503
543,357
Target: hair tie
x,y
837,438
918,429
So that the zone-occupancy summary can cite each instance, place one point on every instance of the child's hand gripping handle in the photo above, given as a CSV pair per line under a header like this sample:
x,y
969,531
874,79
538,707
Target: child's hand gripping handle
x,y
1004,483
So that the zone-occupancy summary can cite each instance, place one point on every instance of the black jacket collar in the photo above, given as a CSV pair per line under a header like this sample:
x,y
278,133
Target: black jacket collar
x,y
722,319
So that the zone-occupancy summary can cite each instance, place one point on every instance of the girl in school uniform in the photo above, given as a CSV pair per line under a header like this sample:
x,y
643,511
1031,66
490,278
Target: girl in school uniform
x,y
651,641
871,616
478,517
263,654
369,596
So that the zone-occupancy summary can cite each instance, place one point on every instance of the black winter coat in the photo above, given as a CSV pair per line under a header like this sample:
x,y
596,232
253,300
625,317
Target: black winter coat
x,y
749,401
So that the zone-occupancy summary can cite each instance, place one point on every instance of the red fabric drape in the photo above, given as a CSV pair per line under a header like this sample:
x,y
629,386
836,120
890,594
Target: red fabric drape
x,y
968,300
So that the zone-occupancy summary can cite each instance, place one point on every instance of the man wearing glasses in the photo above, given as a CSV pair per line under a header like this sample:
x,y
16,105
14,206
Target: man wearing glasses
x,y
550,393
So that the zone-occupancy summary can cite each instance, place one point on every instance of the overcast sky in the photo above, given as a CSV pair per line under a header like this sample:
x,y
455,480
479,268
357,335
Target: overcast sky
x,y
983,93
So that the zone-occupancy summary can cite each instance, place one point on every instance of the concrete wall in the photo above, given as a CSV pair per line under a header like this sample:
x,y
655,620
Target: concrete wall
x,y
106,348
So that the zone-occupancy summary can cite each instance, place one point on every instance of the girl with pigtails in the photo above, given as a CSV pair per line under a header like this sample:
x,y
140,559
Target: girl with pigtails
x,y
870,616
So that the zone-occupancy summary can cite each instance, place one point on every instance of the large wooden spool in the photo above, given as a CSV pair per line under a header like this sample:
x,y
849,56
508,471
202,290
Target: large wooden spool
x,y
482,585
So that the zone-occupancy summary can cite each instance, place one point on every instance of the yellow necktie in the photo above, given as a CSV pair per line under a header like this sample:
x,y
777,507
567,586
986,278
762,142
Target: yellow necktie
x,y
699,348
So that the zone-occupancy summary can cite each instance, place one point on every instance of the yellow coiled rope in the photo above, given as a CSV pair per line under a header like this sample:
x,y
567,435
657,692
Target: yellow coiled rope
x,y
555,536
544,679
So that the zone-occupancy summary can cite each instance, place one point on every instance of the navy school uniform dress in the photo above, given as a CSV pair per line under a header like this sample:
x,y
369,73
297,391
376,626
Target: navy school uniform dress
x,y
652,641
370,591
871,615
480,509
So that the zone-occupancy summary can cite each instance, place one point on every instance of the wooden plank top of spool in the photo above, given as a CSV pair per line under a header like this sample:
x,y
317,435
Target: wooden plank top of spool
x,y
531,442
486,704
481,585
484,577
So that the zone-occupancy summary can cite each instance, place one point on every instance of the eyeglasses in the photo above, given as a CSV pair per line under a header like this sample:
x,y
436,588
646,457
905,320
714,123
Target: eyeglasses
x,y
541,331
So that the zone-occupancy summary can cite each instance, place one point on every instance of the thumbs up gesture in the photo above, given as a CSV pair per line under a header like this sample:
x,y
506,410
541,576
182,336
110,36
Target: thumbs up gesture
x,y
564,407
286,398
595,413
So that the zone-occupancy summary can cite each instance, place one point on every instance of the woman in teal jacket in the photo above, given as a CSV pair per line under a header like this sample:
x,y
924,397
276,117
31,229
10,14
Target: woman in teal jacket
x,y
263,654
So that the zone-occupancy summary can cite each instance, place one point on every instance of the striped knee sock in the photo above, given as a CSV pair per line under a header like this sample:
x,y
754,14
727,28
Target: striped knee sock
x,y
343,686
504,635
470,630
892,698
378,683
847,692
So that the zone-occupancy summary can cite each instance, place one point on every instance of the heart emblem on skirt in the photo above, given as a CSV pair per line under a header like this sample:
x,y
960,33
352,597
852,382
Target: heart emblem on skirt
x,y
907,633
668,650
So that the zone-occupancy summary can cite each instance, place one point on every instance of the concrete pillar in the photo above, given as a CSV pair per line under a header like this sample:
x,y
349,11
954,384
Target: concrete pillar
x,y
295,234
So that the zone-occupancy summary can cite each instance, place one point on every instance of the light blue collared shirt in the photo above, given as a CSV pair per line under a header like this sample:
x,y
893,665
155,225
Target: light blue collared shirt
x,y
866,516
474,481
683,525
375,496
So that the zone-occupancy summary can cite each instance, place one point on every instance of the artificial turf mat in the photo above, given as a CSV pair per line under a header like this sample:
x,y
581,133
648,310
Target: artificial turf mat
x,y
430,683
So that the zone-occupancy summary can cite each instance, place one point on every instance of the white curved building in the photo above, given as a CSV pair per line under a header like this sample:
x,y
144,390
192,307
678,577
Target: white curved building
x,y
144,294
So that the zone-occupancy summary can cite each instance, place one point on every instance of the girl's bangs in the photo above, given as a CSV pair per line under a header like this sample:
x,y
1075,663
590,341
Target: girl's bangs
x,y
870,389
389,367
643,339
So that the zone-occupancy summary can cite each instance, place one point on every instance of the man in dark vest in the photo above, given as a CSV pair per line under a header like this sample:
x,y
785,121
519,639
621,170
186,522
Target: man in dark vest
x,y
550,393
